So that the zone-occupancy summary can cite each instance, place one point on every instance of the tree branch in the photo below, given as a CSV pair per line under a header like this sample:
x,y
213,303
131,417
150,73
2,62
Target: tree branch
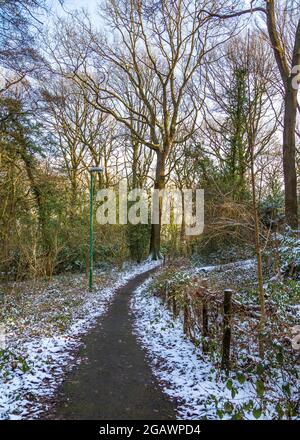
x,y
233,14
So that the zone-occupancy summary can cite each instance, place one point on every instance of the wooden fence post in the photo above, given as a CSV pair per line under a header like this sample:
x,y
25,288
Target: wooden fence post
x,y
225,365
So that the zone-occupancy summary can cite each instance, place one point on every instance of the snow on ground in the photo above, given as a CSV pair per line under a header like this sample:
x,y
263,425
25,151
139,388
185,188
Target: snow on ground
x,y
40,347
239,275
186,376
243,264
192,379
243,271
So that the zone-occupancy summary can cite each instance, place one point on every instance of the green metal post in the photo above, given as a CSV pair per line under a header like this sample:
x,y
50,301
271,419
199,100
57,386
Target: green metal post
x,y
91,232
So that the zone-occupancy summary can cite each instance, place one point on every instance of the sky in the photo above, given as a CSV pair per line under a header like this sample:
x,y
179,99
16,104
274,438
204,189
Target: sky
x,y
91,5
71,5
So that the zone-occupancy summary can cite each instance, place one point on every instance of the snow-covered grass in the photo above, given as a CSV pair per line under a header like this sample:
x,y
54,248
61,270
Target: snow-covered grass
x,y
243,264
43,327
252,391
236,276
186,376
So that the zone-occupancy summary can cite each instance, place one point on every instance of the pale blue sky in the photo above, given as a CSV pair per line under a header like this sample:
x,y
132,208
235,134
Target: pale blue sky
x,y
91,5
75,4
70,5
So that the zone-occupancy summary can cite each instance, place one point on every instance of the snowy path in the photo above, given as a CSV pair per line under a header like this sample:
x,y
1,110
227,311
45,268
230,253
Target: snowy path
x,y
115,382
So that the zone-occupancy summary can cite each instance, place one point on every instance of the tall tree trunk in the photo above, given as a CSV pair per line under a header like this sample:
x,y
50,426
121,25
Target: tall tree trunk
x,y
155,242
289,155
290,113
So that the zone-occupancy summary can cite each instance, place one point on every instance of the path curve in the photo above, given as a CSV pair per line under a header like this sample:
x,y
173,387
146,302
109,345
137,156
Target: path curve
x,y
115,381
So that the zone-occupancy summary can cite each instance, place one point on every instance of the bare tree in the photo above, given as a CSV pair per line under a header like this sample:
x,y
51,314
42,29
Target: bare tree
x,y
156,49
